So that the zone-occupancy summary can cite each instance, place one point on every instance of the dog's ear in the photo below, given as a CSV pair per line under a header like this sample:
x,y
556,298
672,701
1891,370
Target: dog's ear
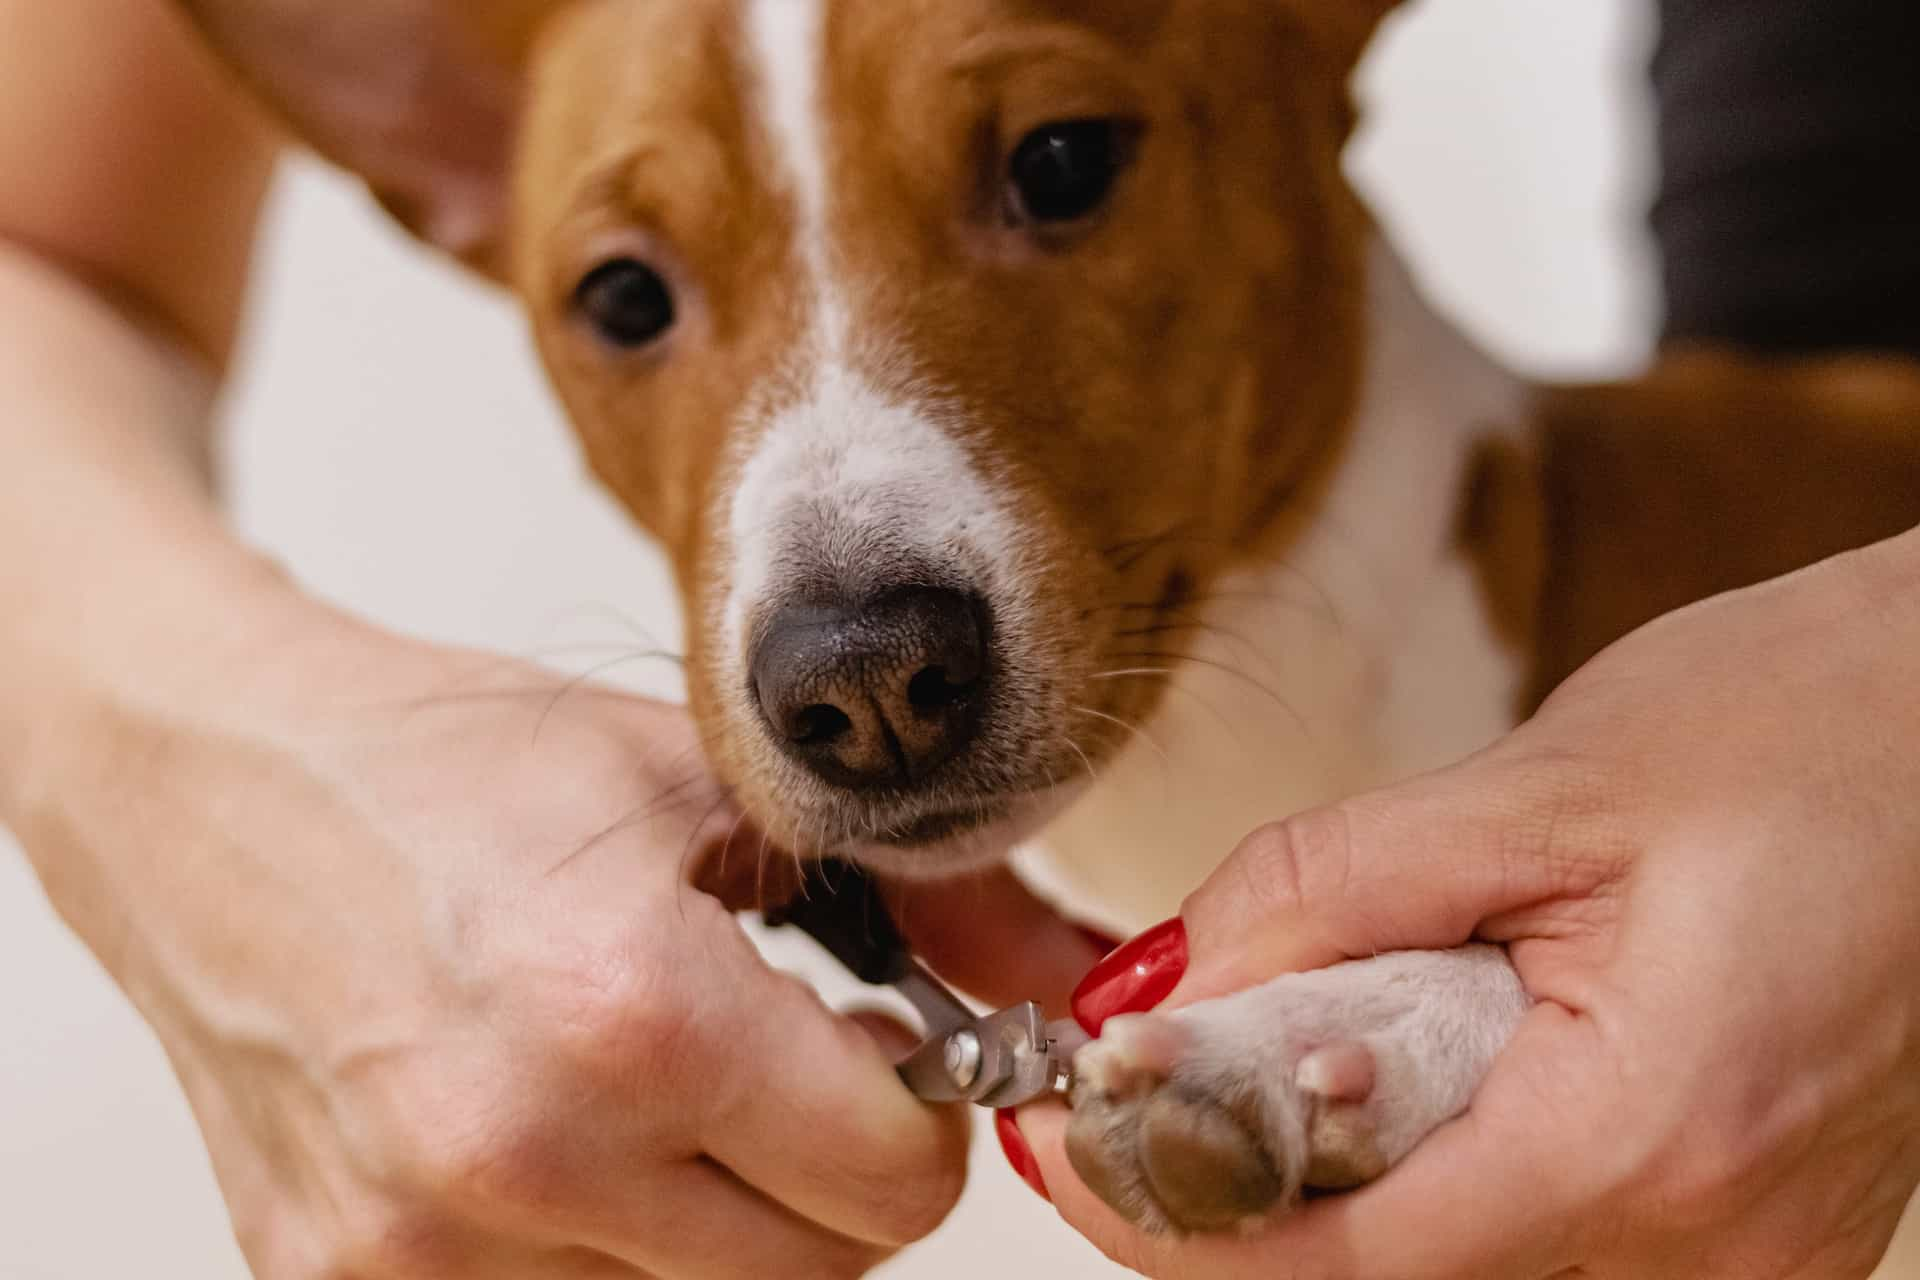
x,y
419,97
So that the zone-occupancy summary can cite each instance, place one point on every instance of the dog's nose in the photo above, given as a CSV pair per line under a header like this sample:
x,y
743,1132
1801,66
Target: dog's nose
x,y
876,695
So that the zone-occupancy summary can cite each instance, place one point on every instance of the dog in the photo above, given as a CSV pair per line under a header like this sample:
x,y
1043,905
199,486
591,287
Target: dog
x,y
1051,450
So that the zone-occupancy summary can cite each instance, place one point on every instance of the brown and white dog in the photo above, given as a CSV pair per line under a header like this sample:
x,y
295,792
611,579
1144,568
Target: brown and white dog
x,y
1050,448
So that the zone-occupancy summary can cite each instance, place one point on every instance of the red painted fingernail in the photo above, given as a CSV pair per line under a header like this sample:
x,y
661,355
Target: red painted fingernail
x,y
1106,944
1135,978
1019,1155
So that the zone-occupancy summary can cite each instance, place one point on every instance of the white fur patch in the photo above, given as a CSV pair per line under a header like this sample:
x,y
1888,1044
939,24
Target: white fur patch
x,y
788,39
849,469
847,479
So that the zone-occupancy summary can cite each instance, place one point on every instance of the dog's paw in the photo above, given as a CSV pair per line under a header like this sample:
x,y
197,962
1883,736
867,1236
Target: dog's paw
x,y
1215,1116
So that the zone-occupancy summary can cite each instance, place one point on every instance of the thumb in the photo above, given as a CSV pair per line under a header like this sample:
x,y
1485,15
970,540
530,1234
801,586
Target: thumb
x,y
1425,864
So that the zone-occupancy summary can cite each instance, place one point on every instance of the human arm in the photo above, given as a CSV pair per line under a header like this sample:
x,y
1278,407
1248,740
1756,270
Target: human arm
x,y
332,867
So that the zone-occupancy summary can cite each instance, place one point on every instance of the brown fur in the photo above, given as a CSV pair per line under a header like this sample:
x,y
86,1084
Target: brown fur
x,y
1714,472
1145,476
1165,390
1502,530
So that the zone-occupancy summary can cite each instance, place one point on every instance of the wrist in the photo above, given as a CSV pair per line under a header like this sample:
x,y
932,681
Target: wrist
x,y
159,642
143,721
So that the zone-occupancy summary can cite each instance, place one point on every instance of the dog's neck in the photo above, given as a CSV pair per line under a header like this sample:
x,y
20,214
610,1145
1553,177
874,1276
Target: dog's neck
x,y
1361,653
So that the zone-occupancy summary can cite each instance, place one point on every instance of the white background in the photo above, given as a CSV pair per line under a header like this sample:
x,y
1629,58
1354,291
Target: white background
x,y
392,441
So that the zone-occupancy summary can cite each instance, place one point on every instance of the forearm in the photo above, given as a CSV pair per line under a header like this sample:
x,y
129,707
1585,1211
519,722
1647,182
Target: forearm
x,y
119,585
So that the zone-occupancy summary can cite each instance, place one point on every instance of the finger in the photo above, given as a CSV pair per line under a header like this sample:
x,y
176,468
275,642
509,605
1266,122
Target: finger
x,y
766,1135
805,1106
1425,864
1491,1196
701,1222
992,937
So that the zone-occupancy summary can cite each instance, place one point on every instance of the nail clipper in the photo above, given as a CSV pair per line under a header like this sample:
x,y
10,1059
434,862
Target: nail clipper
x,y
1001,1059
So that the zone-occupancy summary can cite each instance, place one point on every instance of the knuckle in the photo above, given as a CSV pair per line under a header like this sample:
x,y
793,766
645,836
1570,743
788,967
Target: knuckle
x,y
1568,826
1286,867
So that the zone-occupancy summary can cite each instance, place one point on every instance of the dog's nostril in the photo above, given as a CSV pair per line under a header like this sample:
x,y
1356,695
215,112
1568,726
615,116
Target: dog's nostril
x,y
935,689
879,694
818,725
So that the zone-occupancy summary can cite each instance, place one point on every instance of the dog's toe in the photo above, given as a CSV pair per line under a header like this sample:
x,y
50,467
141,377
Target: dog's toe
x,y
1207,1169
1162,1146
1343,1141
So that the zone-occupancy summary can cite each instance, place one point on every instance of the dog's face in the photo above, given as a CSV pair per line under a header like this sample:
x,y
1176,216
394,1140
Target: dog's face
x,y
952,348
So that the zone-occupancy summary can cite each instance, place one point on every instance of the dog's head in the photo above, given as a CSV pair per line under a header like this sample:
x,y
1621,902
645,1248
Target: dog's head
x,y
952,348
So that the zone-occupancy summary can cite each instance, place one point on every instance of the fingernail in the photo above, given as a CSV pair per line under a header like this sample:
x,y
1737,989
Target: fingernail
x,y
1019,1155
1105,944
1134,978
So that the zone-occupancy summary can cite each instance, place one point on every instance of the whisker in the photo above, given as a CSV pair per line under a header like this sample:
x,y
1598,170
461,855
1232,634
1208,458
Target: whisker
x,y
1134,729
1245,650
581,679
686,850
663,802
816,853
1166,676
726,847
760,870
1092,775
1228,669
1141,547
607,613
1148,541
587,646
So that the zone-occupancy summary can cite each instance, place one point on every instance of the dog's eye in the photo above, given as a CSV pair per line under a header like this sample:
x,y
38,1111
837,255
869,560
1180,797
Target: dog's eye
x,y
1063,171
626,301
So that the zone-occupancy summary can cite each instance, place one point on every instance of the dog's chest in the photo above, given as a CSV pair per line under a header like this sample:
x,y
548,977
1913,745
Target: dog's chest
x,y
1363,653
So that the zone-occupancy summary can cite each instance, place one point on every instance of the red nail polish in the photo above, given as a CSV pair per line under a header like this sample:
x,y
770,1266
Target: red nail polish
x,y
1018,1154
1134,978
1105,944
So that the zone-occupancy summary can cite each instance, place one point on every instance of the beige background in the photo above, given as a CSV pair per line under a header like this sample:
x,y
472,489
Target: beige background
x,y
391,440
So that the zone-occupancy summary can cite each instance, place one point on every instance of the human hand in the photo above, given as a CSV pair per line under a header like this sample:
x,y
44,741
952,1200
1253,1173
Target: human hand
x,y
1704,857
416,930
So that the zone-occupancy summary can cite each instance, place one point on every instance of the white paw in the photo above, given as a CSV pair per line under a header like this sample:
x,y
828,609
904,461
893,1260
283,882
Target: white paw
x,y
1215,1116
